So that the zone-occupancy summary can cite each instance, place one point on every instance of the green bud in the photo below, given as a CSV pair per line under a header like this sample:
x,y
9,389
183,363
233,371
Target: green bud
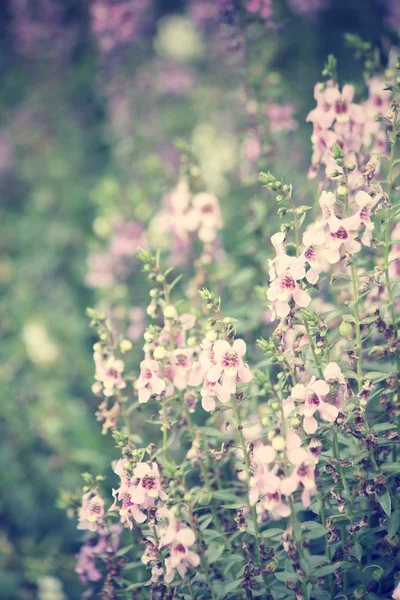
x,y
346,329
278,443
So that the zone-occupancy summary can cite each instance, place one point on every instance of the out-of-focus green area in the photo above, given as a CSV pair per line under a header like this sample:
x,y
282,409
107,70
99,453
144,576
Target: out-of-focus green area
x,y
89,120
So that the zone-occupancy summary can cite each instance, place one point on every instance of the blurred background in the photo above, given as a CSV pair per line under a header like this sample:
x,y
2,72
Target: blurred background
x,y
104,104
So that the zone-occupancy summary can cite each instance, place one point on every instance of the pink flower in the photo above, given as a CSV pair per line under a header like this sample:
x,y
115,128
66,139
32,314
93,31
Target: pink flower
x,y
333,105
264,7
210,217
138,490
181,363
91,512
366,203
284,286
272,503
327,202
109,373
86,565
263,480
179,539
333,373
342,236
210,391
312,396
86,561
314,238
147,483
229,365
304,475
281,117
149,383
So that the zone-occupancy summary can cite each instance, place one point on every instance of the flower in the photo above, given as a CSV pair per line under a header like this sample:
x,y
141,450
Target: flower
x,y
109,373
312,395
333,373
86,562
341,235
228,365
178,538
263,480
91,512
149,382
284,286
181,367
139,489
366,203
304,475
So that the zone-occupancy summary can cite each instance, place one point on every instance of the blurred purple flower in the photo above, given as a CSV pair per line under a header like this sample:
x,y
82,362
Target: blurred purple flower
x,y
40,29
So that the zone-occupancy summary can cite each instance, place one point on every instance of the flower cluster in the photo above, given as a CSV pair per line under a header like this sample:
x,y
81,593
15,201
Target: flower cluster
x,y
186,217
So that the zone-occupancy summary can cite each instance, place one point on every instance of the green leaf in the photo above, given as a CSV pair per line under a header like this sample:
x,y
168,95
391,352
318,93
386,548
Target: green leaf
x,y
287,576
391,467
385,502
213,553
271,533
124,550
393,524
327,570
376,375
233,585
206,522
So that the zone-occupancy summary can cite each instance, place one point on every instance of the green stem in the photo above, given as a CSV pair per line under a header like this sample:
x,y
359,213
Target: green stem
x,y
388,226
204,473
354,283
165,429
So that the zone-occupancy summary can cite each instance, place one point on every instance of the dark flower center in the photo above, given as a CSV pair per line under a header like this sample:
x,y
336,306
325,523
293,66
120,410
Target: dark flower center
x,y
149,482
341,234
313,399
288,283
230,359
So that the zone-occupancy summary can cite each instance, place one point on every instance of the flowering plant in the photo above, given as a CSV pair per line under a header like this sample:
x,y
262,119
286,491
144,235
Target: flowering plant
x,y
272,476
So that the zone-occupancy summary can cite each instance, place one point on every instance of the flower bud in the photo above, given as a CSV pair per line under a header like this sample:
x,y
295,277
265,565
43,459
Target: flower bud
x,y
351,167
271,434
212,336
266,421
97,347
153,293
191,341
160,278
125,346
294,422
278,443
346,329
159,353
275,405
170,312
152,310
148,337
342,191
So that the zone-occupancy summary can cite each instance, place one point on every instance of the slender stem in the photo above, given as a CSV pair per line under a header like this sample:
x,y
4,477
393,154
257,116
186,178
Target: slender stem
x,y
204,473
165,428
388,225
354,283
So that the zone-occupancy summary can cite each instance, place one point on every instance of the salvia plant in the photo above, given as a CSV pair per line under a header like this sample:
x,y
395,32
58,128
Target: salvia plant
x,y
269,471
